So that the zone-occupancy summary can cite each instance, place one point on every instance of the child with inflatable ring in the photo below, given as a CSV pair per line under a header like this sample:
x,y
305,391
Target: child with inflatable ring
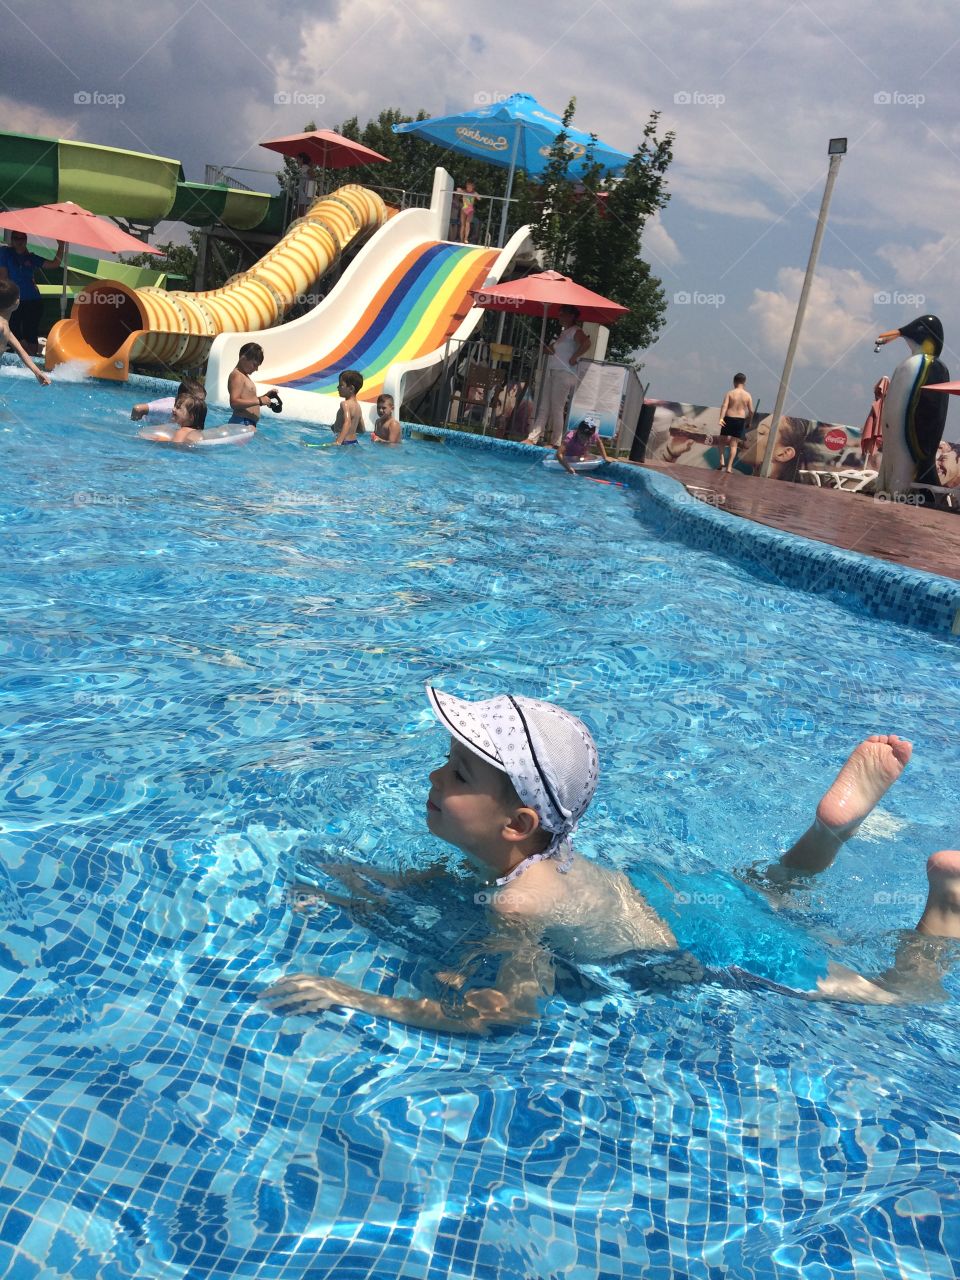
x,y
576,443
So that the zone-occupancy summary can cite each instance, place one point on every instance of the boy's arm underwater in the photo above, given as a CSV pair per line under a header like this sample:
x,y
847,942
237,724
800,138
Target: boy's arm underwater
x,y
525,977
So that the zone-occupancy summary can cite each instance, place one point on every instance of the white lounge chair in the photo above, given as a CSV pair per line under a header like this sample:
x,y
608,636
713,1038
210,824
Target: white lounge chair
x,y
855,481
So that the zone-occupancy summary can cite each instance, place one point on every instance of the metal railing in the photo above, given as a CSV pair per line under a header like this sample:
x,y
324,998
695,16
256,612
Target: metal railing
x,y
487,386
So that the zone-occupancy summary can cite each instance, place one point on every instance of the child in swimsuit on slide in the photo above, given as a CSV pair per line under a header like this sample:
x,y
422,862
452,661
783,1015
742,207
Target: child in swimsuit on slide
x,y
519,776
468,204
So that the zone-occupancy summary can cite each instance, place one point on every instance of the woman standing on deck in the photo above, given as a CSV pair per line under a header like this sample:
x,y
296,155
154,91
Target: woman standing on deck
x,y
565,354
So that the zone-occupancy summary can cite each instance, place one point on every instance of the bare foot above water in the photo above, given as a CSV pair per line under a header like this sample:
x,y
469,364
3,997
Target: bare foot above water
x,y
872,768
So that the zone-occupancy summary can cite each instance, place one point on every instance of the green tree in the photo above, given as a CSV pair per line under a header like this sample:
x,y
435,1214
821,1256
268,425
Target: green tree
x,y
592,229
175,259
224,260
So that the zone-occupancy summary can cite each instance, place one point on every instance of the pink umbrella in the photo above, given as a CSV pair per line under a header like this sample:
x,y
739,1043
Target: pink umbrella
x,y
326,149
73,224
544,294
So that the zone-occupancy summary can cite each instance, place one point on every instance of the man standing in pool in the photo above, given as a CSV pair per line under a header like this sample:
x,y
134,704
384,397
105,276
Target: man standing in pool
x,y
245,404
519,776
736,414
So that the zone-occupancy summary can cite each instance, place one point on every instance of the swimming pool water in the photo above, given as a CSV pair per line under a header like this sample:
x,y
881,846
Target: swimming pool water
x,y
213,669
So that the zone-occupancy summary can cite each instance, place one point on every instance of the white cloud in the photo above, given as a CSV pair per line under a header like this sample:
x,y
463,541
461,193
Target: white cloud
x,y
839,315
658,246
20,118
933,264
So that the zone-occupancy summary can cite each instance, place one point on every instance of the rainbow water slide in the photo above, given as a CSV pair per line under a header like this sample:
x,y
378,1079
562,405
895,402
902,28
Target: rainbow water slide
x,y
113,325
402,300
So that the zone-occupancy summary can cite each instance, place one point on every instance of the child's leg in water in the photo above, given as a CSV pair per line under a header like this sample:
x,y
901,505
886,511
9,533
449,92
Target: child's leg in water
x,y
922,956
872,768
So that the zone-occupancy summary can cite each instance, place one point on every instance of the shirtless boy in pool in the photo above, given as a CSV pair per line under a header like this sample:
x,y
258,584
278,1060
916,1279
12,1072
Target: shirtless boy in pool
x,y
245,403
519,776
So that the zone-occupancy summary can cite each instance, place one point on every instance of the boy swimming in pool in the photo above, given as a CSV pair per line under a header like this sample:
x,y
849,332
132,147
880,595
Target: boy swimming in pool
x,y
349,416
386,429
519,776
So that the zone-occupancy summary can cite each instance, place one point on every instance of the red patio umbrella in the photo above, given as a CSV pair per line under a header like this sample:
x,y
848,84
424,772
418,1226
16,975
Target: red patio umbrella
x,y
326,149
544,294
73,224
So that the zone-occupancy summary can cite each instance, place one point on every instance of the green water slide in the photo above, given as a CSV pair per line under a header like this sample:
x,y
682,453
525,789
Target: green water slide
x,y
139,188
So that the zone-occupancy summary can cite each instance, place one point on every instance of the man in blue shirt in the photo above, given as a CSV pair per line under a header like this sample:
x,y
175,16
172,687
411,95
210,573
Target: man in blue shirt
x,y
18,265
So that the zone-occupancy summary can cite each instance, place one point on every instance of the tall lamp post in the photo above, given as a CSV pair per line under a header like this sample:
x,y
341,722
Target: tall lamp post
x,y
836,151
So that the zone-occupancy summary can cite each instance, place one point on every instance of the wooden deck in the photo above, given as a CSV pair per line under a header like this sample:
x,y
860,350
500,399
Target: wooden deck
x,y
919,537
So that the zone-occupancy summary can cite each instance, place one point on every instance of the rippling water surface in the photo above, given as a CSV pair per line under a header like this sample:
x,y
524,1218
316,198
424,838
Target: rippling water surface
x,y
212,675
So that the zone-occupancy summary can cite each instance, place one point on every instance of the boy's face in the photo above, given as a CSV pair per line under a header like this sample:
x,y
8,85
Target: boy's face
x,y
248,364
344,389
467,804
384,407
181,414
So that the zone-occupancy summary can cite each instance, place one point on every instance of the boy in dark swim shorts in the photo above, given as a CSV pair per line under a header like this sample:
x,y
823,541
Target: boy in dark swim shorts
x,y
245,403
736,414
518,778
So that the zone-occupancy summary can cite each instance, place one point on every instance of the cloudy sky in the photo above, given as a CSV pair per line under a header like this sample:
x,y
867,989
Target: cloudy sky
x,y
753,93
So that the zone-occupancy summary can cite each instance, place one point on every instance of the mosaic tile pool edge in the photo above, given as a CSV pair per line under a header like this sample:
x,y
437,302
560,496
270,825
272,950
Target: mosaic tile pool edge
x,y
891,592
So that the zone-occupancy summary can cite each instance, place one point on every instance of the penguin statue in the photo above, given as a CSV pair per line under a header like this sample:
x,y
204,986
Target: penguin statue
x,y
913,419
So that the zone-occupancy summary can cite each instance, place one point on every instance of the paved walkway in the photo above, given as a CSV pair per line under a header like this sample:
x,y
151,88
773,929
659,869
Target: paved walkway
x,y
919,537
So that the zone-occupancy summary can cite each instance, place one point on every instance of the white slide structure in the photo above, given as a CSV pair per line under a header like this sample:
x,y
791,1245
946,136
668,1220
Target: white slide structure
x,y
401,304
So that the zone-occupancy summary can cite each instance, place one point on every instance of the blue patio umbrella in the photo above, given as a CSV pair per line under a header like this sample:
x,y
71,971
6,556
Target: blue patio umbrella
x,y
516,134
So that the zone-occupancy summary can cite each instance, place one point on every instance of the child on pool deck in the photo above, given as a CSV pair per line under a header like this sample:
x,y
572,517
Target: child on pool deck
x,y
386,429
245,404
9,301
157,411
576,444
348,417
518,778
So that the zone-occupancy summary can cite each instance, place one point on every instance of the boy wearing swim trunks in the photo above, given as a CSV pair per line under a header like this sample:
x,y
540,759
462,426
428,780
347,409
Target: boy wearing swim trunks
x,y
518,778
245,403
349,415
736,414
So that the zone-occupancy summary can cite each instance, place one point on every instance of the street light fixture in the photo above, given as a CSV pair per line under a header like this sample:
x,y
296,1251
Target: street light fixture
x,y
836,149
